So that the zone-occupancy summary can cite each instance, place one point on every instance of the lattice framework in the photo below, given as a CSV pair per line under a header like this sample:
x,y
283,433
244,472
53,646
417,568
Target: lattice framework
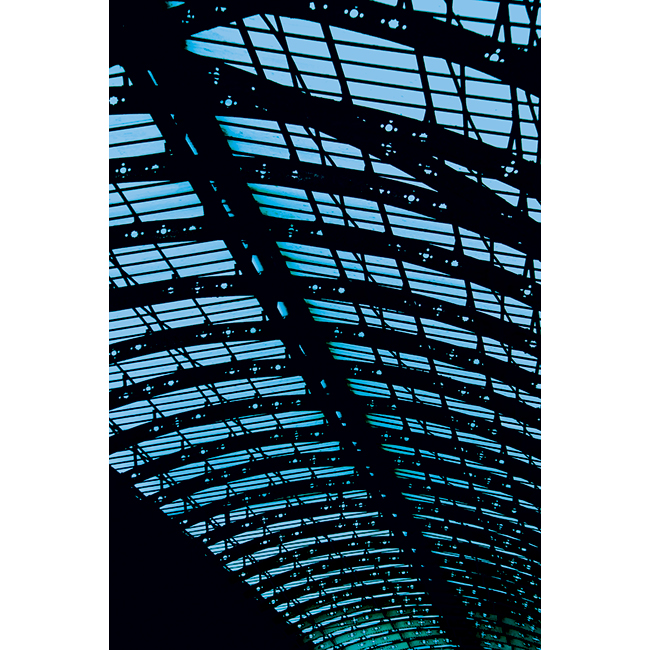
x,y
325,306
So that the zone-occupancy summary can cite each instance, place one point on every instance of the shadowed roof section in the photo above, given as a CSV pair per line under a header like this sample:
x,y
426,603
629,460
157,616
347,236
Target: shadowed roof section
x,y
325,327
151,563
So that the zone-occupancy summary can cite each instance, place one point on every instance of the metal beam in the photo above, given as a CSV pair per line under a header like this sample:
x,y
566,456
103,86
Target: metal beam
x,y
472,360
363,370
417,148
428,380
467,535
450,513
358,616
484,218
322,532
339,290
198,376
361,616
302,488
164,291
230,528
483,501
416,304
493,431
250,569
353,583
270,465
267,405
372,337
467,452
420,149
454,263
479,478
317,530
411,145
189,335
210,414
515,65
336,547
395,636
353,611
339,563
459,524
321,433
492,584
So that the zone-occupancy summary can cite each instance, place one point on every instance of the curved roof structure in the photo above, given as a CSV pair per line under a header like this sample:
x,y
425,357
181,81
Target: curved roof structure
x,y
324,230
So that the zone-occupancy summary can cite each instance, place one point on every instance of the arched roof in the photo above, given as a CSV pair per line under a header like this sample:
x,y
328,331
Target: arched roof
x,y
325,302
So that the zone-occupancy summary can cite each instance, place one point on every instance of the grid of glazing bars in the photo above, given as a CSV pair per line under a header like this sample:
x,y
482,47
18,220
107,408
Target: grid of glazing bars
x,y
419,275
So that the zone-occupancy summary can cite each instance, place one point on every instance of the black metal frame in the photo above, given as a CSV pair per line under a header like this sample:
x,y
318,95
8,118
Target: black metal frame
x,y
179,91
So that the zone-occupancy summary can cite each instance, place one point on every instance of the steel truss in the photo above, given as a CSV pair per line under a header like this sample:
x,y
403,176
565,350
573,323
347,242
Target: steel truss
x,y
325,370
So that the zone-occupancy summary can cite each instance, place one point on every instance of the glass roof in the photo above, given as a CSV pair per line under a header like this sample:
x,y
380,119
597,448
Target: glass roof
x,y
325,294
